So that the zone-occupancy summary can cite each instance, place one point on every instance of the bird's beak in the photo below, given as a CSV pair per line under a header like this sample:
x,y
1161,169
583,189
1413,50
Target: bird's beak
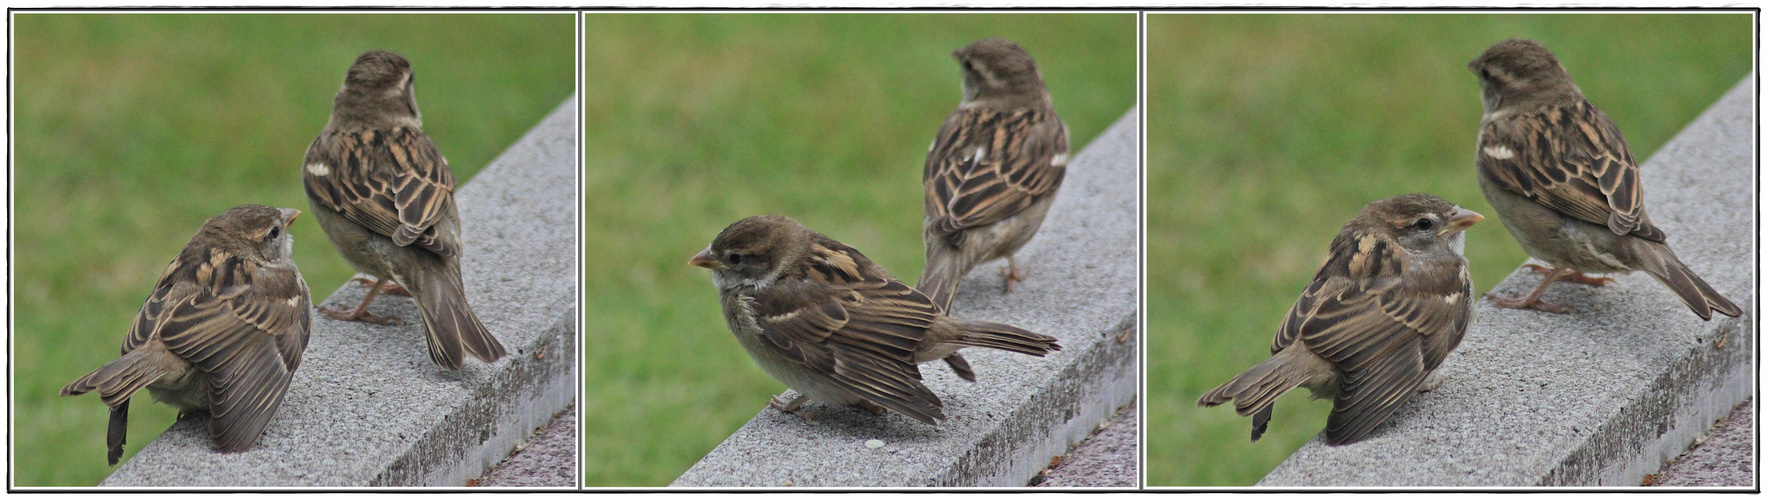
x,y
1460,219
288,215
705,259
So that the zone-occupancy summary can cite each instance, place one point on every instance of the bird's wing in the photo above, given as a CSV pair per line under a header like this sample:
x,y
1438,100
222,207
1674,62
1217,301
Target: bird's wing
x,y
862,334
1573,160
1375,327
393,182
987,165
246,330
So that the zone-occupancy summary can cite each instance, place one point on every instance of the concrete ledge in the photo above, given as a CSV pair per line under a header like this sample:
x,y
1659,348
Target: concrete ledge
x,y
1023,411
1604,396
368,408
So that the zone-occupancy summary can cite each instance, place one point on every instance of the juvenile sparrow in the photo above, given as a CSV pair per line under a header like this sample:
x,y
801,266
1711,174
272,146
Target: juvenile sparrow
x,y
992,172
385,197
826,321
1565,184
1392,300
222,332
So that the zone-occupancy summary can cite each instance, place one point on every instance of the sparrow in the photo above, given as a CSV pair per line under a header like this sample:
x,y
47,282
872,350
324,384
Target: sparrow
x,y
1393,298
222,332
1564,183
384,195
991,173
822,318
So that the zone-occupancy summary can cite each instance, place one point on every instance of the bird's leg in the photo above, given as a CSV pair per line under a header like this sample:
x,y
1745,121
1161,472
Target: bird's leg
x,y
795,407
360,313
391,287
1011,273
1572,276
871,407
1431,382
1532,300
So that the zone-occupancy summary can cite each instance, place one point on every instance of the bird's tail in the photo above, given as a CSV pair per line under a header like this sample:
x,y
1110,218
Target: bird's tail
x,y
116,382
945,268
1004,337
1662,264
121,378
117,433
1254,392
448,320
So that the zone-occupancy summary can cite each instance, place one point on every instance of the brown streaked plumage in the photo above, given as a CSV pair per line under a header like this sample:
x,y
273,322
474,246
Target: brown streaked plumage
x,y
385,197
991,173
1565,184
822,318
1392,300
222,332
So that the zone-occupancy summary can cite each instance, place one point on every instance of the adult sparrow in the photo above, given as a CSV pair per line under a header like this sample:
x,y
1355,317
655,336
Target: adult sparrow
x,y
1391,301
826,321
992,172
1565,184
385,197
222,332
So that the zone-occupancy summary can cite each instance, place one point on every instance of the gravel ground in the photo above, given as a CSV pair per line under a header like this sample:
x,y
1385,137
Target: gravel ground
x,y
546,459
1105,460
1725,458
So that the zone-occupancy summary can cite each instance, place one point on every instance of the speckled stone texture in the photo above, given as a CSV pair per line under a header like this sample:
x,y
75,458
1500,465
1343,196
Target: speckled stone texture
x,y
1608,394
367,407
1106,460
546,459
1023,411
1723,458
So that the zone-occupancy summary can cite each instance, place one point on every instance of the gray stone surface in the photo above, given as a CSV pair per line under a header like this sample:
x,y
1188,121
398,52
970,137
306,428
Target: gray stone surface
x,y
368,408
1724,457
1023,411
546,459
1603,396
1106,460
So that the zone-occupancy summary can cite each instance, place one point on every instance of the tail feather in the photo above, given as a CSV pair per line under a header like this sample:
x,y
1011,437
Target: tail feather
x,y
448,320
117,433
1254,392
1005,337
944,271
121,378
1693,291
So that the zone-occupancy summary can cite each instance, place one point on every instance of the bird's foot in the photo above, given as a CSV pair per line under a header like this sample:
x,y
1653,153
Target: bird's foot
x,y
1572,276
391,288
1527,303
874,408
358,314
794,407
1011,274
1431,382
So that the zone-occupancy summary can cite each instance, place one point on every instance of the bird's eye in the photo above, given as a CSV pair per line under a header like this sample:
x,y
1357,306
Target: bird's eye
x,y
734,258
1423,224
274,232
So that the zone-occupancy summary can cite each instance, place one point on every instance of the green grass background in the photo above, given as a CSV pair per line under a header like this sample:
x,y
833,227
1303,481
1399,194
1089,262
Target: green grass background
x,y
131,130
1267,132
695,121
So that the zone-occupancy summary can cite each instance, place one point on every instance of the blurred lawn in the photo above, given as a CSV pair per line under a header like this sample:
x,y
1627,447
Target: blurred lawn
x,y
1268,132
131,130
696,121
